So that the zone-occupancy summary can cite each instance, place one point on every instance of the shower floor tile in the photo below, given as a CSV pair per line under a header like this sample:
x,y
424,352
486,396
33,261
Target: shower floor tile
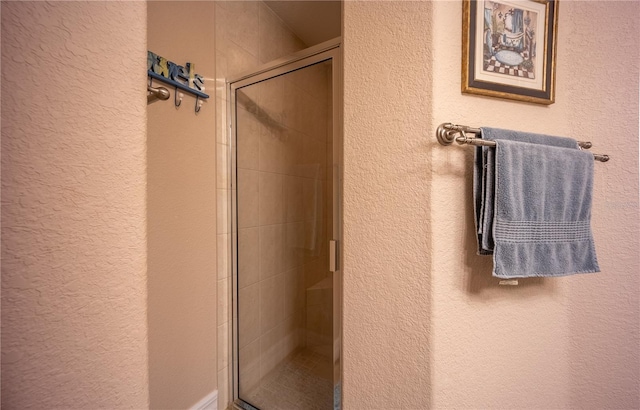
x,y
301,382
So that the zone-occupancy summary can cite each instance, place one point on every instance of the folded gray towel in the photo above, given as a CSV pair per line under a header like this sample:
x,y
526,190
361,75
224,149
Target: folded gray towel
x,y
542,211
483,177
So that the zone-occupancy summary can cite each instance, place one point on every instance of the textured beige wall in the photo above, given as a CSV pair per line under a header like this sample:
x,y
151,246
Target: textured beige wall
x,y
387,102
505,345
74,331
182,214
604,309
548,343
73,268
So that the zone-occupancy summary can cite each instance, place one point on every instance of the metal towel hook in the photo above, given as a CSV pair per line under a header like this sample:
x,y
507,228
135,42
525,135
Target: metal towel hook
x,y
177,98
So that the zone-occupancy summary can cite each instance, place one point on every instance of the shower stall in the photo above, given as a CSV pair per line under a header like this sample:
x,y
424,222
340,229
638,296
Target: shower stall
x,y
286,219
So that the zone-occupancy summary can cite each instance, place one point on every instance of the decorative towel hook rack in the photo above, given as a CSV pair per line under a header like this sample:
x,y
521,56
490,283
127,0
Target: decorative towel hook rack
x,y
182,87
182,78
447,133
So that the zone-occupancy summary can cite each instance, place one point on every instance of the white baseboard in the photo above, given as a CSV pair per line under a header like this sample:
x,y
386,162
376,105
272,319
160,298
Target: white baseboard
x,y
209,402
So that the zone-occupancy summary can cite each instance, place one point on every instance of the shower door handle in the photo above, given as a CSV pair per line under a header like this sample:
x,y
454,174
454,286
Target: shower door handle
x,y
333,255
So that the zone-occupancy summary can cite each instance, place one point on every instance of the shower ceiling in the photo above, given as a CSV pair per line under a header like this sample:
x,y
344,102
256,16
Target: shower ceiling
x,y
312,21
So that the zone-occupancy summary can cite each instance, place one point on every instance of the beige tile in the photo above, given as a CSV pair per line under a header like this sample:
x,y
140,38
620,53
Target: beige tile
x,y
229,5
291,336
307,106
314,157
299,77
222,133
313,198
243,25
239,60
329,156
318,325
248,97
320,295
271,302
288,104
292,103
249,357
272,148
222,30
221,92
310,371
318,120
248,256
293,153
223,346
223,388
313,273
271,250
222,211
221,74
223,301
271,202
314,320
271,99
270,37
313,239
239,7
222,166
222,255
302,109
248,143
248,198
299,314
315,245
290,42
293,199
328,229
293,301
271,351
236,26
327,202
249,368
318,81
248,315
293,252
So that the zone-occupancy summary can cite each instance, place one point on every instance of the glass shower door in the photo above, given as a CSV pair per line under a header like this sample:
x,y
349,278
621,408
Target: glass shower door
x,y
285,344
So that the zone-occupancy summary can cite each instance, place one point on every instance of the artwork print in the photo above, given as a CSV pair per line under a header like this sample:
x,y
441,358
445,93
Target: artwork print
x,y
509,49
509,41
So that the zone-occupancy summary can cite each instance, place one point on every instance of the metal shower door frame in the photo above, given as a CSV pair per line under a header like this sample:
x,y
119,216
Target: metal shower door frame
x,y
330,50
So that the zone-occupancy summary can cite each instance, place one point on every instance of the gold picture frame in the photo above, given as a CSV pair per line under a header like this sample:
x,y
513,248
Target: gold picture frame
x,y
509,49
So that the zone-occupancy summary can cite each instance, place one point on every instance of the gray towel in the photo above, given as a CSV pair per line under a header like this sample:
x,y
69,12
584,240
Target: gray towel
x,y
542,211
483,177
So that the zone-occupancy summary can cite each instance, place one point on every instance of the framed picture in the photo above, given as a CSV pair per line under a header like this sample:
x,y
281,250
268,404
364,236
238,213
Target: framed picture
x,y
509,48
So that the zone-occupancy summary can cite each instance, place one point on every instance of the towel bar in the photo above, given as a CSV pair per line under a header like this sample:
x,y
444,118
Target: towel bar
x,y
446,133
